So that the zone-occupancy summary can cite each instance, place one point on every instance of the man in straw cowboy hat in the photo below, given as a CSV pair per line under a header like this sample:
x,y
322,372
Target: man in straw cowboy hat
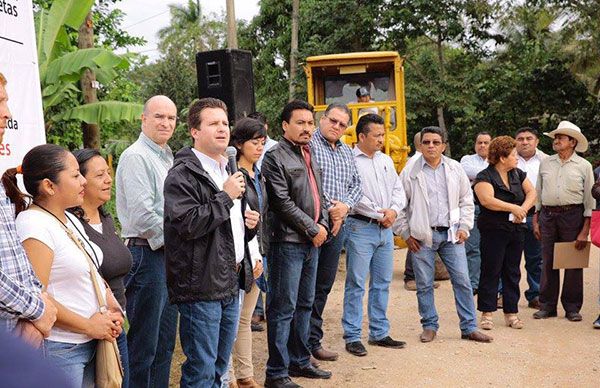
x,y
563,212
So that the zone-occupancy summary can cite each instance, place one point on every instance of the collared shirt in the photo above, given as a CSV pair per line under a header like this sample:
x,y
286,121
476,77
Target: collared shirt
x,y
381,186
341,181
532,165
140,181
20,296
473,165
437,191
566,183
218,173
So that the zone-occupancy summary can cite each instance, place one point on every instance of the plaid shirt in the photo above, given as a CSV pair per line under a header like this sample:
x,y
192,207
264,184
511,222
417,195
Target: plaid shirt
x,y
20,296
341,181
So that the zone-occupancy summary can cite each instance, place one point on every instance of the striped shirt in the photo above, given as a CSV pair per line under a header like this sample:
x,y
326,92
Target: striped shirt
x,y
341,181
20,296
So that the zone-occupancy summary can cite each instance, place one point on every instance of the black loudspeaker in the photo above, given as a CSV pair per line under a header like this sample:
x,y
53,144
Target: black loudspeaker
x,y
227,75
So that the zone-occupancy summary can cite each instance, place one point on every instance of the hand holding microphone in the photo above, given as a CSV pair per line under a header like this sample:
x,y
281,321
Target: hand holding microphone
x,y
235,185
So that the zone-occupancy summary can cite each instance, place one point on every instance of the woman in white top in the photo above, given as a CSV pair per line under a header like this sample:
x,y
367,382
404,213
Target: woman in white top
x,y
53,240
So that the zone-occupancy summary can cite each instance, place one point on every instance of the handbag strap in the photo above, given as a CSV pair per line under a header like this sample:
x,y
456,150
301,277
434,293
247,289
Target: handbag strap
x,y
93,270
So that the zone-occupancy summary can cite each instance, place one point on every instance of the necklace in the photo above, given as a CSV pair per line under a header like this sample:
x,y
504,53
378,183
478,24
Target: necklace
x,y
80,238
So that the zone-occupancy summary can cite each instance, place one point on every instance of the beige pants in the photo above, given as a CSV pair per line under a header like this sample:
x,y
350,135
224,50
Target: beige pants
x,y
242,348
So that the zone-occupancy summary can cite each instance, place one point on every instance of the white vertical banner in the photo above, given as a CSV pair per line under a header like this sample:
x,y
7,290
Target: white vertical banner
x,y
19,64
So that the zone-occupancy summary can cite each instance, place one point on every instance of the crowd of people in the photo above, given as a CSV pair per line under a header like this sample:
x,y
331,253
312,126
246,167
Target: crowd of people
x,y
205,231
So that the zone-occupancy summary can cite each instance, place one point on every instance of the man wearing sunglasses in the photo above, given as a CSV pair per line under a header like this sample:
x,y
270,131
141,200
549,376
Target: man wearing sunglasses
x,y
438,218
341,191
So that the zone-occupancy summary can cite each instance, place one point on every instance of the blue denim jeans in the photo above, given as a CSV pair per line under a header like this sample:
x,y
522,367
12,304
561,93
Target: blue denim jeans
x,y
77,361
369,250
328,260
122,344
533,261
292,275
472,248
207,331
152,320
453,256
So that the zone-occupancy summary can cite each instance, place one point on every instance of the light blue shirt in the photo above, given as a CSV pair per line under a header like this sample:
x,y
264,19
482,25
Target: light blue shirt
x,y
140,181
437,191
473,164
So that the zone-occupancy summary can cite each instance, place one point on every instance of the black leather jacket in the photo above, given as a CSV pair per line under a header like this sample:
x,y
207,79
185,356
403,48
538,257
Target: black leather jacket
x,y
199,250
291,216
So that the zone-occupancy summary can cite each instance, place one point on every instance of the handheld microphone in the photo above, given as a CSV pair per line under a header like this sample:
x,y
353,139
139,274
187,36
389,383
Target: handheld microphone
x,y
231,159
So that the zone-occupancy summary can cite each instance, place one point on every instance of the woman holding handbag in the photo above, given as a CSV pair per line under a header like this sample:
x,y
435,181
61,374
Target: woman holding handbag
x,y
100,228
64,259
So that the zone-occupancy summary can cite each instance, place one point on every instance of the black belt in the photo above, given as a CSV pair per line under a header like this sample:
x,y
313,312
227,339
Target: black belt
x,y
562,209
440,228
137,242
364,218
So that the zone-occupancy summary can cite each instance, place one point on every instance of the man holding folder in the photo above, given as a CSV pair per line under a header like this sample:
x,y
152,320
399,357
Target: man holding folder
x,y
563,212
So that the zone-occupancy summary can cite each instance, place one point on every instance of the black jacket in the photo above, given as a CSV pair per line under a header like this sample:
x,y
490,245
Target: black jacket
x,y
199,250
252,200
291,207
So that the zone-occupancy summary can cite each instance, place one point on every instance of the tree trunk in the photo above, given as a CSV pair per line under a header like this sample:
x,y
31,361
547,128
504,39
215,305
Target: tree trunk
x,y
440,107
231,27
294,48
91,132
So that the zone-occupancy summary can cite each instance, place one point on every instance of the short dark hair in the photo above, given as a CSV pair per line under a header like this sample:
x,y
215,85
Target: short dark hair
x,y
500,146
482,133
258,116
337,105
363,125
435,130
534,132
246,129
198,106
293,105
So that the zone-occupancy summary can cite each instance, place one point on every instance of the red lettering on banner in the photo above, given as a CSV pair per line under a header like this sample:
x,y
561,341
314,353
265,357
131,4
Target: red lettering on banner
x,y
4,149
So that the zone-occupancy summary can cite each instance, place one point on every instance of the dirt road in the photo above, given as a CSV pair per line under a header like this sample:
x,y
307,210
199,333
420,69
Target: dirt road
x,y
546,353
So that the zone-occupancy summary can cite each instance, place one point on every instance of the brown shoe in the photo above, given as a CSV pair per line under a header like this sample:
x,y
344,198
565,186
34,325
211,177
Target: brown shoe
x,y
324,355
477,336
535,303
427,335
248,382
314,362
410,285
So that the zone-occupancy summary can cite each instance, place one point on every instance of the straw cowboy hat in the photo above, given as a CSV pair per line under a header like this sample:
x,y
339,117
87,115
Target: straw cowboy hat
x,y
570,129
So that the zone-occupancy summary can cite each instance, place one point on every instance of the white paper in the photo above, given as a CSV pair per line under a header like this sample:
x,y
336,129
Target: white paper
x,y
511,218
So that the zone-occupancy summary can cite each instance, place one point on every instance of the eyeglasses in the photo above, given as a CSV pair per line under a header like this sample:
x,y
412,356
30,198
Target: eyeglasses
x,y
337,122
434,142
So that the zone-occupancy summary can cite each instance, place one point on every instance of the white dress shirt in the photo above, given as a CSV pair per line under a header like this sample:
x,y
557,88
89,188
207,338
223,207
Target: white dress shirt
x,y
382,189
473,164
531,166
219,175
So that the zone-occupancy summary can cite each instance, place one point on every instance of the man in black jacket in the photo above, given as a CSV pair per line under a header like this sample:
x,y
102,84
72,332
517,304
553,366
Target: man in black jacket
x,y
297,225
206,250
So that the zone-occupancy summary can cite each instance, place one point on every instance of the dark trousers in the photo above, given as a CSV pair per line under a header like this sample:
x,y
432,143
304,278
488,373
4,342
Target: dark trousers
x,y
500,259
292,275
533,262
560,227
329,258
409,274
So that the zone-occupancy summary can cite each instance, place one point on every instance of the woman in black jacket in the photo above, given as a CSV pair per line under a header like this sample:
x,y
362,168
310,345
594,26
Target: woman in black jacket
x,y
248,137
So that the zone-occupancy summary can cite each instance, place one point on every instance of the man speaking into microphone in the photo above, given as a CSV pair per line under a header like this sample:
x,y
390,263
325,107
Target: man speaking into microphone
x,y
206,253
298,226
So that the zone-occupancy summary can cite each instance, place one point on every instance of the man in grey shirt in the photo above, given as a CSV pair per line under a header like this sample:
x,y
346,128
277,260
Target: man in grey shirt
x,y
140,178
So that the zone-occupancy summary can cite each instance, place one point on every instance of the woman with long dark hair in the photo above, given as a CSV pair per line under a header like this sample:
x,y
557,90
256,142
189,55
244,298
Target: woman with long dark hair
x,y
248,137
63,258
100,228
